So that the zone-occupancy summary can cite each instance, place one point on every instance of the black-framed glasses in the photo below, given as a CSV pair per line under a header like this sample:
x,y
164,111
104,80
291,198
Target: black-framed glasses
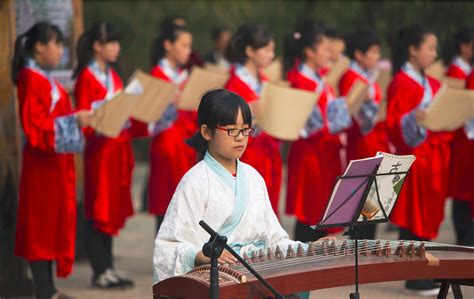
x,y
236,132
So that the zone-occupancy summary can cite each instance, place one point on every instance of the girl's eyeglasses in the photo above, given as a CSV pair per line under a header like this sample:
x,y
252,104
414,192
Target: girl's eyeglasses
x,y
236,132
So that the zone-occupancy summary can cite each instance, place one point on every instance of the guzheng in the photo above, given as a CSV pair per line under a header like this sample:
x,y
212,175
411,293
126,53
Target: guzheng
x,y
326,265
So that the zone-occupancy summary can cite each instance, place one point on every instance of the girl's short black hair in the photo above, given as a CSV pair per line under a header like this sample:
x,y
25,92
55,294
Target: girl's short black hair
x,y
218,107
361,40
42,32
255,36
100,31
413,35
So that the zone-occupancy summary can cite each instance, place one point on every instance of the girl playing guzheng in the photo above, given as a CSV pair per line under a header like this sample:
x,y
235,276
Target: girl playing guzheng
x,y
228,194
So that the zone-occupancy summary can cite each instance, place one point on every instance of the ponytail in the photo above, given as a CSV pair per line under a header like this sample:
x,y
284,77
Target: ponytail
x,y
250,35
168,32
25,43
100,31
413,35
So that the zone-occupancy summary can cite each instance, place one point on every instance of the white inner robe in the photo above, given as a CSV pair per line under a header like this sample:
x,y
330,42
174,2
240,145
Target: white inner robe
x,y
201,195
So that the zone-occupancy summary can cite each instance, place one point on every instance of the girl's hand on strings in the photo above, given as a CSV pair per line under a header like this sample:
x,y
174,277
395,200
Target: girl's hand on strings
x,y
227,258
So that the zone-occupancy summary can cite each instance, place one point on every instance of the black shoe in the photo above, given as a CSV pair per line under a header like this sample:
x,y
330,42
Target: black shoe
x,y
127,283
422,287
107,280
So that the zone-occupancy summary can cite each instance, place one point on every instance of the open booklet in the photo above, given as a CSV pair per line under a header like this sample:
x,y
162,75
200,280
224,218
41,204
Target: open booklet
x,y
346,202
450,109
336,72
200,81
157,95
283,111
111,115
356,96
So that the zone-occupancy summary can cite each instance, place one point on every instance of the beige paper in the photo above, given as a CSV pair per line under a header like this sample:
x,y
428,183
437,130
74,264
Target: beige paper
x,y
383,79
382,114
436,70
450,109
283,111
110,118
336,72
453,82
356,96
157,95
199,82
274,71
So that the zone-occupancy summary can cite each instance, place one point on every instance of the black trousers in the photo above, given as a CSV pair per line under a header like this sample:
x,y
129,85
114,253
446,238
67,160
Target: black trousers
x,y
43,279
305,233
463,222
99,249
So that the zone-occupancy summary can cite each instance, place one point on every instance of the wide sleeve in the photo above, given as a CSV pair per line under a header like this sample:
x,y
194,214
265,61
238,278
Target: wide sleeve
x,y
338,116
180,237
43,131
402,127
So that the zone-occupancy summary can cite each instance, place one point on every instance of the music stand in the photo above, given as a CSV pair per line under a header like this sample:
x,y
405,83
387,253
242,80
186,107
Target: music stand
x,y
348,198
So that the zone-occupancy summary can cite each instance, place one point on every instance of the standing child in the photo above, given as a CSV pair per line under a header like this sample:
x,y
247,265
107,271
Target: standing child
x,y
313,160
251,49
46,221
420,207
170,156
366,136
108,161
462,161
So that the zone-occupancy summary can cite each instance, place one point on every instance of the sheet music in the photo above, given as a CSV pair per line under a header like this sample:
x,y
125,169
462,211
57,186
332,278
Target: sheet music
x,y
389,185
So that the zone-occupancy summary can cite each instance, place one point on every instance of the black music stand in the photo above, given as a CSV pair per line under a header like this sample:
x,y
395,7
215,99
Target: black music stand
x,y
346,212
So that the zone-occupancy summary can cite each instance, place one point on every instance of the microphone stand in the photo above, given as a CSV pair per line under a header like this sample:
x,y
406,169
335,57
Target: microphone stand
x,y
213,249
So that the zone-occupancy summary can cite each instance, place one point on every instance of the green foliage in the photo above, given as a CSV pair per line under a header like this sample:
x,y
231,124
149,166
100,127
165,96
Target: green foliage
x,y
139,20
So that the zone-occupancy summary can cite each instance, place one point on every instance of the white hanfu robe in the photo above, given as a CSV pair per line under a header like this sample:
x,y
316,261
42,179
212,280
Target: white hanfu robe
x,y
203,195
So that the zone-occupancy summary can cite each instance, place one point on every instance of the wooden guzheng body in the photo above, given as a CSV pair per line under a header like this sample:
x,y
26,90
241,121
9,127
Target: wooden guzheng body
x,y
326,265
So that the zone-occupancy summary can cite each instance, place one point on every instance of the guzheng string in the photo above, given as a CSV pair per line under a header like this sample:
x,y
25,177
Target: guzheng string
x,y
334,251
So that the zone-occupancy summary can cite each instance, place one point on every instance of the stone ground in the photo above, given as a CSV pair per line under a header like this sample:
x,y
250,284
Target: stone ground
x,y
133,256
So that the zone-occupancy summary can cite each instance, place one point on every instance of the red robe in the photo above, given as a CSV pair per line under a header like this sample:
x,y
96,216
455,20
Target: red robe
x,y
462,162
358,145
420,207
170,156
263,151
108,162
313,163
46,220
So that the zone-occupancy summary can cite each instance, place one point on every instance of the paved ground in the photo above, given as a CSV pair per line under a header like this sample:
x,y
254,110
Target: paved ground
x,y
133,255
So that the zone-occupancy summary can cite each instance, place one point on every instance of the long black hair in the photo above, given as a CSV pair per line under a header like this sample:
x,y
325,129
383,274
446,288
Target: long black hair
x,y
218,107
100,31
464,35
306,35
413,35
25,43
169,32
361,40
255,36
